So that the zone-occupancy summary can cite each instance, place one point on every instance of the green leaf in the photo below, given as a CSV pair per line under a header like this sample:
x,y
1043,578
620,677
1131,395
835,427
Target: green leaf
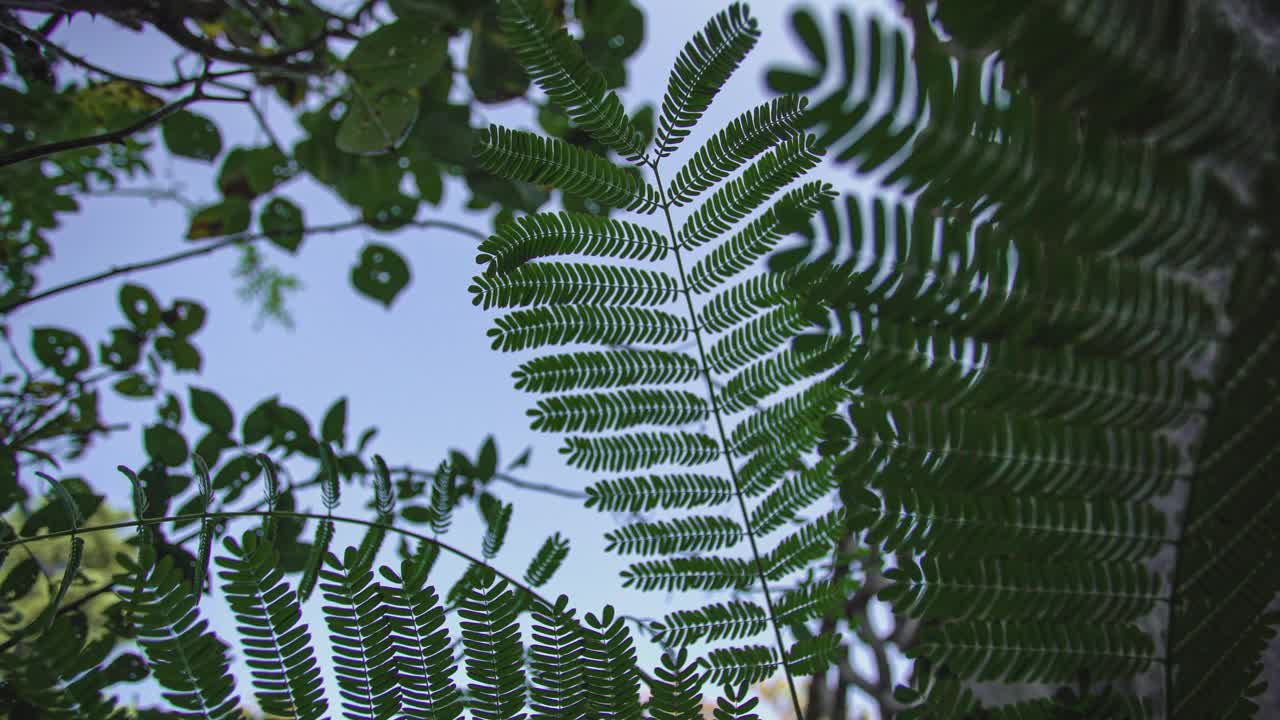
x,y
380,273
225,218
333,429
165,445
281,222
184,317
247,173
62,351
180,352
402,55
134,385
210,409
191,135
139,306
376,125
123,352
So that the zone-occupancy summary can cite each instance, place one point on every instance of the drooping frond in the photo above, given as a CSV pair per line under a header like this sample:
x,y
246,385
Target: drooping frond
x,y
424,657
547,560
745,137
741,196
813,655
555,62
550,234
635,451
609,659
558,683
752,384
677,690
276,643
699,533
494,653
569,324
719,621
813,541
615,368
186,658
813,600
668,492
594,412
702,68
363,651
563,283
521,155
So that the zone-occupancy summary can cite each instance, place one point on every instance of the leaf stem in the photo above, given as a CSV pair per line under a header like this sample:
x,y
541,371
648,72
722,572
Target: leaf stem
x,y
724,441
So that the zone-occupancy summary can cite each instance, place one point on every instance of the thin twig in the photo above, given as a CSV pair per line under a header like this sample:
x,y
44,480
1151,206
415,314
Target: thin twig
x,y
114,136
226,241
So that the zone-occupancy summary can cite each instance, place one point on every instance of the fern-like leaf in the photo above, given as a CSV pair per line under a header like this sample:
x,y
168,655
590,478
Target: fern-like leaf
x,y
640,450
577,234
364,658
521,155
677,690
699,533
741,196
745,137
719,621
276,643
642,494
609,661
556,63
491,644
613,411
690,573
615,368
423,654
558,687
565,283
547,560
702,68
746,665
568,324
186,658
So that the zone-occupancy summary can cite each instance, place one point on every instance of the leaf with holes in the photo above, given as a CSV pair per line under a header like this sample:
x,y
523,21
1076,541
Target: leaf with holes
x,y
62,351
380,274
281,222
139,306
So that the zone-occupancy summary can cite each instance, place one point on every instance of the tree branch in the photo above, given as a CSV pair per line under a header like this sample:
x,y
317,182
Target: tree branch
x,y
212,247
114,136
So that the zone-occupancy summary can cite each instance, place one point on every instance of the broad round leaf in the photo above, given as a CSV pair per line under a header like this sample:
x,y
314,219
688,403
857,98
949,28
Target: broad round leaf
x,y
400,56
179,352
165,445
380,274
139,306
376,125
60,350
188,134
281,222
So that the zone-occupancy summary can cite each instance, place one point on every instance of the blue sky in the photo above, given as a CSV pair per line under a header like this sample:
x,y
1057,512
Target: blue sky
x,y
423,372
